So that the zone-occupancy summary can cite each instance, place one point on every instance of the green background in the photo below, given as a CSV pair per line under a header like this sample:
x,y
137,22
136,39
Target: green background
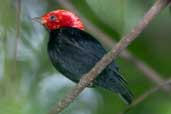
x,y
30,85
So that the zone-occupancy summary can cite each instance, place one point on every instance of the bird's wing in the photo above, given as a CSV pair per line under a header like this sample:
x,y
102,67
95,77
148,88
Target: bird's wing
x,y
71,53
83,41
74,52
89,45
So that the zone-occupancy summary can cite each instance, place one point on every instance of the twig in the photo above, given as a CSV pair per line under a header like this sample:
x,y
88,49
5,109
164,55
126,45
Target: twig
x,y
108,58
145,95
149,72
18,11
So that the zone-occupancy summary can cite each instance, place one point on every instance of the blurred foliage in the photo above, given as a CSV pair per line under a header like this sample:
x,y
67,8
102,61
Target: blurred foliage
x,y
34,85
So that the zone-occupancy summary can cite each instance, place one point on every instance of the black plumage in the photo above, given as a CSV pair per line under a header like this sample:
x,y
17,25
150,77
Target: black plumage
x,y
74,52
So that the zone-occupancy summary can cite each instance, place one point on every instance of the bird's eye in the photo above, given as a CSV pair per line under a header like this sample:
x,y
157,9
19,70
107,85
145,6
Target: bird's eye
x,y
52,18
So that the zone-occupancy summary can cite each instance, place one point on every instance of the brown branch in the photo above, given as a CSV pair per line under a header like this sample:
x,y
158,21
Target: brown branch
x,y
107,41
145,95
108,58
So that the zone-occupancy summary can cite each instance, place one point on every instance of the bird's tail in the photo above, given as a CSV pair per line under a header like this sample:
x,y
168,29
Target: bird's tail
x,y
120,87
125,95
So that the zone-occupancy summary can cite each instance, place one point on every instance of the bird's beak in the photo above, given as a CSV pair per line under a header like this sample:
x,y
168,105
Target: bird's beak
x,y
39,20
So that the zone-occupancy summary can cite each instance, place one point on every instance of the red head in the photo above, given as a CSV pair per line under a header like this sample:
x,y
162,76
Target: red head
x,y
61,18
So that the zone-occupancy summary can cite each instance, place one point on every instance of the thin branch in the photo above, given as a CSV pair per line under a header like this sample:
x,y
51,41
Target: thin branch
x,y
18,11
145,95
149,72
108,58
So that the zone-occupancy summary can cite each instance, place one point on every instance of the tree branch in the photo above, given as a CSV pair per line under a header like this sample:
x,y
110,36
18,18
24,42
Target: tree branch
x,y
145,95
108,58
107,41
14,64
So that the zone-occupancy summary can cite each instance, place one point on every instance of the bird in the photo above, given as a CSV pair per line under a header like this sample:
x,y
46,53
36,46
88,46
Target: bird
x,y
74,52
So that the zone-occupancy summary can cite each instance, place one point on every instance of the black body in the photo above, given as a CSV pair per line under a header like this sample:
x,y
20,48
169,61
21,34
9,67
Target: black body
x,y
74,52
